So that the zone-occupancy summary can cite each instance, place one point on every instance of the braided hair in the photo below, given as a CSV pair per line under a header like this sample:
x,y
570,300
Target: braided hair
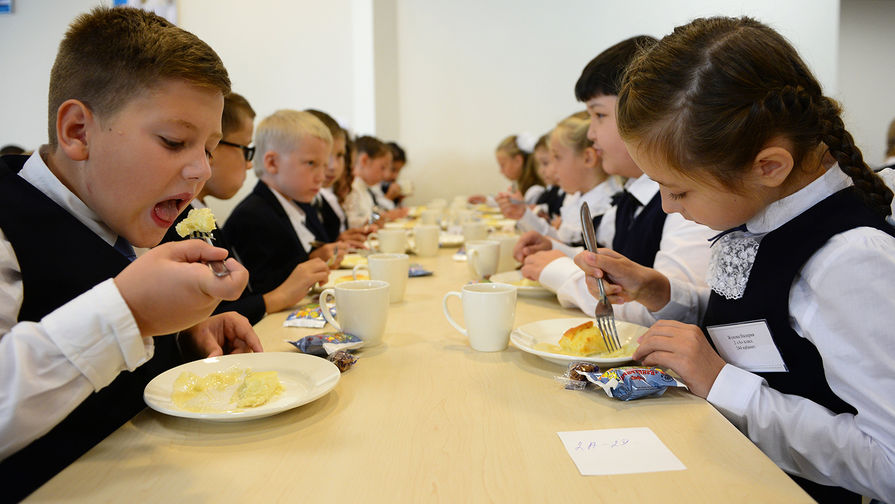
x,y
712,94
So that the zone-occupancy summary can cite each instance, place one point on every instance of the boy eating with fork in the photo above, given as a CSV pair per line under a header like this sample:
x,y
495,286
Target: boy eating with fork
x,y
135,108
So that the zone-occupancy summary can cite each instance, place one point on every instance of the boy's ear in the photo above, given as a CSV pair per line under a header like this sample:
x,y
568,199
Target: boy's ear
x,y
772,166
363,159
72,121
271,162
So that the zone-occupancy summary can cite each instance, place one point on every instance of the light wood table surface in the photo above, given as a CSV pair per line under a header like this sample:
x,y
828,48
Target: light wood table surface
x,y
424,418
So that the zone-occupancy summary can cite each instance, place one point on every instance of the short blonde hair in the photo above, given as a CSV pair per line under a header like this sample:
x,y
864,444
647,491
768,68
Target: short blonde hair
x,y
572,132
283,130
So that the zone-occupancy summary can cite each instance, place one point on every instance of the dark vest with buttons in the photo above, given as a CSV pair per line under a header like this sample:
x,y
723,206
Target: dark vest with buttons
x,y
640,241
51,276
553,198
780,257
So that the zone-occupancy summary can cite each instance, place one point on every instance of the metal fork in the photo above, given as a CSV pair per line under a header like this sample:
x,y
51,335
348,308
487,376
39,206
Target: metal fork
x,y
217,267
603,311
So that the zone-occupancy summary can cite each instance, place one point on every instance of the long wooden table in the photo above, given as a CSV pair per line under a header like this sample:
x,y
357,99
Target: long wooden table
x,y
424,418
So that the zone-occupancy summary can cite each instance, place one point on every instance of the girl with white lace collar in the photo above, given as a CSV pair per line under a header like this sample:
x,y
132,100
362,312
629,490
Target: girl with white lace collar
x,y
728,119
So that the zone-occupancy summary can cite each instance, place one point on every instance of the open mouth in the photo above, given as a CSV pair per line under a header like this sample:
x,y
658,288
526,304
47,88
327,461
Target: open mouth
x,y
165,212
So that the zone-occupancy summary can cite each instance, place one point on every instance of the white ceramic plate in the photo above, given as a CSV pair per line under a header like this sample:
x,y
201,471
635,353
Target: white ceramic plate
x,y
514,278
549,331
304,378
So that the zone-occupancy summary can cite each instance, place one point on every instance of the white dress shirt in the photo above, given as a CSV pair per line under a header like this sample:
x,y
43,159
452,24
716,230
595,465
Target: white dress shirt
x,y
333,200
842,301
48,368
297,219
359,204
532,194
683,253
598,199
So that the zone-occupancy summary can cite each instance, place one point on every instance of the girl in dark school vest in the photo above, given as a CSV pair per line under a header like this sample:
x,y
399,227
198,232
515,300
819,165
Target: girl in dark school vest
x,y
795,340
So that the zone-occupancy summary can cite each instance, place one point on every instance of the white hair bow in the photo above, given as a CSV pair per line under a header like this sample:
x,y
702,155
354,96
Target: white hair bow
x,y
526,142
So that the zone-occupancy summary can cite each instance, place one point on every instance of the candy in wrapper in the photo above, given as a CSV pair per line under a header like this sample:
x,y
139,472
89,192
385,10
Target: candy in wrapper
x,y
310,315
326,344
573,379
343,360
416,270
633,382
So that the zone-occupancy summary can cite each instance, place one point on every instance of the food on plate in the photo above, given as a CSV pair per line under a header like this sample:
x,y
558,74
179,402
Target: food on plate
x,y
214,393
200,221
257,389
584,339
349,278
525,282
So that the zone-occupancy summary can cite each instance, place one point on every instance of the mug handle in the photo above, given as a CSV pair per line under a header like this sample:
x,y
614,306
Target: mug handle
x,y
446,313
357,268
324,307
470,257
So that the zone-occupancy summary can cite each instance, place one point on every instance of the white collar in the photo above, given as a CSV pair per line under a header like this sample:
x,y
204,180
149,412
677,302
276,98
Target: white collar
x,y
784,210
39,175
642,188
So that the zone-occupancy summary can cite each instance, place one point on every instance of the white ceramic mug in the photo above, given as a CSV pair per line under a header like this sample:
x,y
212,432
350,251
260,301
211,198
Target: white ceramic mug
x,y
361,307
431,216
463,215
391,241
482,257
475,230
425,240
390,268
489,312
505,261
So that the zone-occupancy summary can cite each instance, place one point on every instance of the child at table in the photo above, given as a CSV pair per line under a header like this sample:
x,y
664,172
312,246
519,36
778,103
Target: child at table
x,y
371,159
519,166
229,162
579,170
126,153
635,226
728,119
267,229
551,200
327,204
390,187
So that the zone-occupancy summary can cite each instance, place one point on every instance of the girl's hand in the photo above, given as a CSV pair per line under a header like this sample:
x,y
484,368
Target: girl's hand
x,y
529,243
509,209
535,263
623,279
684,349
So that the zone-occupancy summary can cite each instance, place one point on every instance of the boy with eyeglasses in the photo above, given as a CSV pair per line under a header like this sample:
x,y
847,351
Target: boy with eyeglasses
x,y
229,163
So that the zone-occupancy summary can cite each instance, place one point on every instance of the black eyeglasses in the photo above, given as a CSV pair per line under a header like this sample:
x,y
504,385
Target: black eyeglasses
x,y
247,152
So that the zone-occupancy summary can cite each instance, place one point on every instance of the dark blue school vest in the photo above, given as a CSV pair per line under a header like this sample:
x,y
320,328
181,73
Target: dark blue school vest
x,y
75,261
640,240
780,257
553,198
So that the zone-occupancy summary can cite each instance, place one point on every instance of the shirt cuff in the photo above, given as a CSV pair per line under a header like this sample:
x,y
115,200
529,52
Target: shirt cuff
x,y
98,334
569,251
530,222
732,392
558,272
680,304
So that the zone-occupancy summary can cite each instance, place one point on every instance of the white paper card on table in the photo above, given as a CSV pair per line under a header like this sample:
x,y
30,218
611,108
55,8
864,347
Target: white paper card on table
x,y
619,451
748,345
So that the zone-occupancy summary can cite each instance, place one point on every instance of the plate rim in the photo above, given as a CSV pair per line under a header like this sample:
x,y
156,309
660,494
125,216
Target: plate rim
x,y
527,289
329,379
562,359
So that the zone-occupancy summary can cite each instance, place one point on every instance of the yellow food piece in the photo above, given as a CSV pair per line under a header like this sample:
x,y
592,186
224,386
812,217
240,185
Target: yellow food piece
x,y
199,220
525,282
224,391
349,278
257,389
584,339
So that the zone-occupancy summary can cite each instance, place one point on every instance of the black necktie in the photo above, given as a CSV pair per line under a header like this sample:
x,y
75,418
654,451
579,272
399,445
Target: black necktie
x,y
312,221
626,205
373,195
123,246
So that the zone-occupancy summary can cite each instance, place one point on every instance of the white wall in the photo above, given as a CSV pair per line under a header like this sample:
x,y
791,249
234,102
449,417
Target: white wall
x,y
866,73
450,79
473,72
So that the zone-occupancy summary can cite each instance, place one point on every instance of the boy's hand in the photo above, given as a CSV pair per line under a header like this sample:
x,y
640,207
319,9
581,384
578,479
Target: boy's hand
x,y
393,192
623,279
509,209
355,238
397,213
529,243
683,349
296,285
331,253
170,288
535,263
476,199
224,333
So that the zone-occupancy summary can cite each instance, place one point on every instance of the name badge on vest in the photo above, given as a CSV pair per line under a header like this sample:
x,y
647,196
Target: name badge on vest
x,y
748,345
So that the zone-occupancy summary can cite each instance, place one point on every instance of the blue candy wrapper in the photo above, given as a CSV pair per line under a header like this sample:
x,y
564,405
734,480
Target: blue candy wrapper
x,y
632,382
323,345
310,315
416,270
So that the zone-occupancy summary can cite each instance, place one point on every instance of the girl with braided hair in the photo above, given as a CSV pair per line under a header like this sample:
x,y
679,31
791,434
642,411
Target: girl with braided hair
x,y
795,342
